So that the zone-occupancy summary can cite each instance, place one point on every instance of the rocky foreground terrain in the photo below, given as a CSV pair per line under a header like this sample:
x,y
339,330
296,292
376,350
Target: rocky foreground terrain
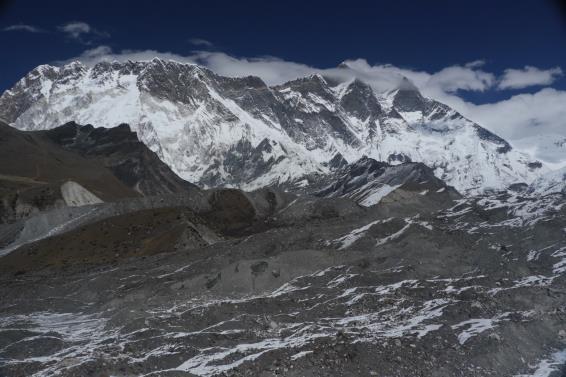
x,y
378,271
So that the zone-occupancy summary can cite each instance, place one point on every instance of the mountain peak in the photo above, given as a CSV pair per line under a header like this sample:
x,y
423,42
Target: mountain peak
x,y
170,62
318,77
407,85
73,69
360,85
408,98
45,68
314,83
358,99
74,66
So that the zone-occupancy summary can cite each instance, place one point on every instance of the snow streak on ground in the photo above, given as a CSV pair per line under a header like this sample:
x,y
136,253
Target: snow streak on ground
x,y
326,303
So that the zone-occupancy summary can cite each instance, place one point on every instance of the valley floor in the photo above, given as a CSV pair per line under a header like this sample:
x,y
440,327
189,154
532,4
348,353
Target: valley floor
x,y
305,287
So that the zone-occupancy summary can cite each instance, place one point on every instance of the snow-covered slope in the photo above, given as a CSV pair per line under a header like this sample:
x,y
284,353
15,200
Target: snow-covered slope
x,y
215,130
550,183
548,147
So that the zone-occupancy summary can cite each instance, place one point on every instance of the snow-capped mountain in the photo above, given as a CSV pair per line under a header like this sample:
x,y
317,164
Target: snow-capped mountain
x,y
215,130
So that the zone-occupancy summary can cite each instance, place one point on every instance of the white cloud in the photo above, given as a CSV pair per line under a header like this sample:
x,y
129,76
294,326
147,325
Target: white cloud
x,y
275,71
78,30
23,27
200,42
516,118
94,55
456,78
528,76
476,63
272,70
524,114
105,53
530,122
75,29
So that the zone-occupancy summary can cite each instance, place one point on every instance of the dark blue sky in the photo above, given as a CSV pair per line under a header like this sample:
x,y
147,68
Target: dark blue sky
x,y
427,35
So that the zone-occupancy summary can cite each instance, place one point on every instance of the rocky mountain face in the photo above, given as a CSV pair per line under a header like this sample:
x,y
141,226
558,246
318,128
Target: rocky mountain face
x,y
37,175
73,165
218,131
368,182
119,150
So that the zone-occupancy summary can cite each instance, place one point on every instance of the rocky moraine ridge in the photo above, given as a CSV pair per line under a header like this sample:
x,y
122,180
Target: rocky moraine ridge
x,y
327,231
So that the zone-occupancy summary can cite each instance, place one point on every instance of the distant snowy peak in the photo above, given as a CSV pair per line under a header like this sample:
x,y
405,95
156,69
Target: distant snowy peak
x,y
215,130
408,98
418,110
